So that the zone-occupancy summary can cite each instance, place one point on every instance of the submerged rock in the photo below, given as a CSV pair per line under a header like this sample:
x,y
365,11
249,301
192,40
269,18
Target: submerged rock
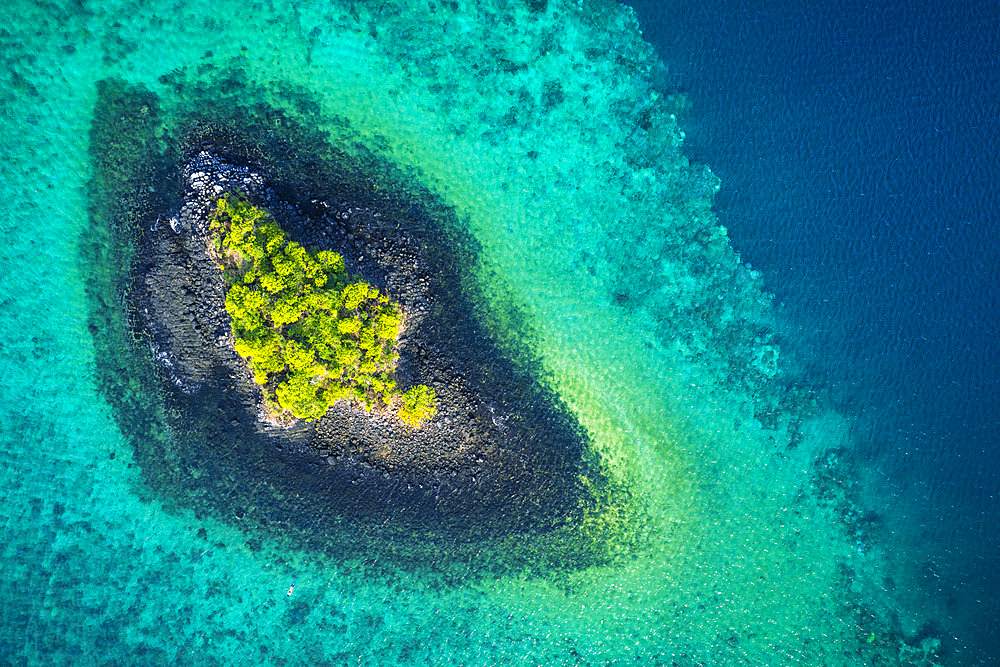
x,y
501,447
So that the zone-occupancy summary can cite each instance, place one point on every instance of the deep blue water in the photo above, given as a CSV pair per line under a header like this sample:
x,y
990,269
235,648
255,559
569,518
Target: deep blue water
x,y
856,143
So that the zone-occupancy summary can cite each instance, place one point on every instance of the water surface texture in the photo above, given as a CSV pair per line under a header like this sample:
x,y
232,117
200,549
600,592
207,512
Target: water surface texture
x,y
850,143
725,516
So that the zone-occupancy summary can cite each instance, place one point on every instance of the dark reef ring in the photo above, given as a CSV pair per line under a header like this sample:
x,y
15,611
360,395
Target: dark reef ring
x,y
502,456
499,451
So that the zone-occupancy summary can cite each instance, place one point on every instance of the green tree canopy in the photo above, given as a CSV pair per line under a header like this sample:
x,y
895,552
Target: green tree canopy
x,y
311,333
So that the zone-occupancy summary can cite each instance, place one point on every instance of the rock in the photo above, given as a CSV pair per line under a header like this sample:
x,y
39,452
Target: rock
x,y
493,441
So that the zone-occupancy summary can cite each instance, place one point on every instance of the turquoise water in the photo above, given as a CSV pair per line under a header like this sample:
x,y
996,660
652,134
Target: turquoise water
x,y
541,129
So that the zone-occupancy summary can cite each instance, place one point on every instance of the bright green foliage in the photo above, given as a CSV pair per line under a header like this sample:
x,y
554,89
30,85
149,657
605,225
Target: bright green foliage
x,y
311,333
418,405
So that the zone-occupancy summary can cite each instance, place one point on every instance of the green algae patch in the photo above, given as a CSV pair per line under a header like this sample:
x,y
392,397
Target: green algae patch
x,y
312,333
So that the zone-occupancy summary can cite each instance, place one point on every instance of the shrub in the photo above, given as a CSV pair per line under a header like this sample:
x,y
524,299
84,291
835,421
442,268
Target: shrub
x,y
418,405
311,334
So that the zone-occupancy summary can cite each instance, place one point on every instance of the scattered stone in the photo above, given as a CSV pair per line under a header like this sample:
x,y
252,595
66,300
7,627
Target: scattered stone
x,y
506,446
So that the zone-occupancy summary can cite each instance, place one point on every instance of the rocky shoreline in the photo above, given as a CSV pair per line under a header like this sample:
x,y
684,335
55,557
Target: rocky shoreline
x,y
501,449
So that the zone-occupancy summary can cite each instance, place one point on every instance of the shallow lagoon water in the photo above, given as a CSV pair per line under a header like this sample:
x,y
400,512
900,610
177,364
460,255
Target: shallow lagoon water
x,y
545,131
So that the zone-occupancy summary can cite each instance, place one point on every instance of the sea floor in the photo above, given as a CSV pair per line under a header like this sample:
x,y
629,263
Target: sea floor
x,y
541,128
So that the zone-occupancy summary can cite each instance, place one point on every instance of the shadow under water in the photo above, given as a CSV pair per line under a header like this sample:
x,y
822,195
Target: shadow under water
x,y
503,462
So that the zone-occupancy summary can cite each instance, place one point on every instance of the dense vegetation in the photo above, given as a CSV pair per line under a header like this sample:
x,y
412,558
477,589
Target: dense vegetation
x,y
311,333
